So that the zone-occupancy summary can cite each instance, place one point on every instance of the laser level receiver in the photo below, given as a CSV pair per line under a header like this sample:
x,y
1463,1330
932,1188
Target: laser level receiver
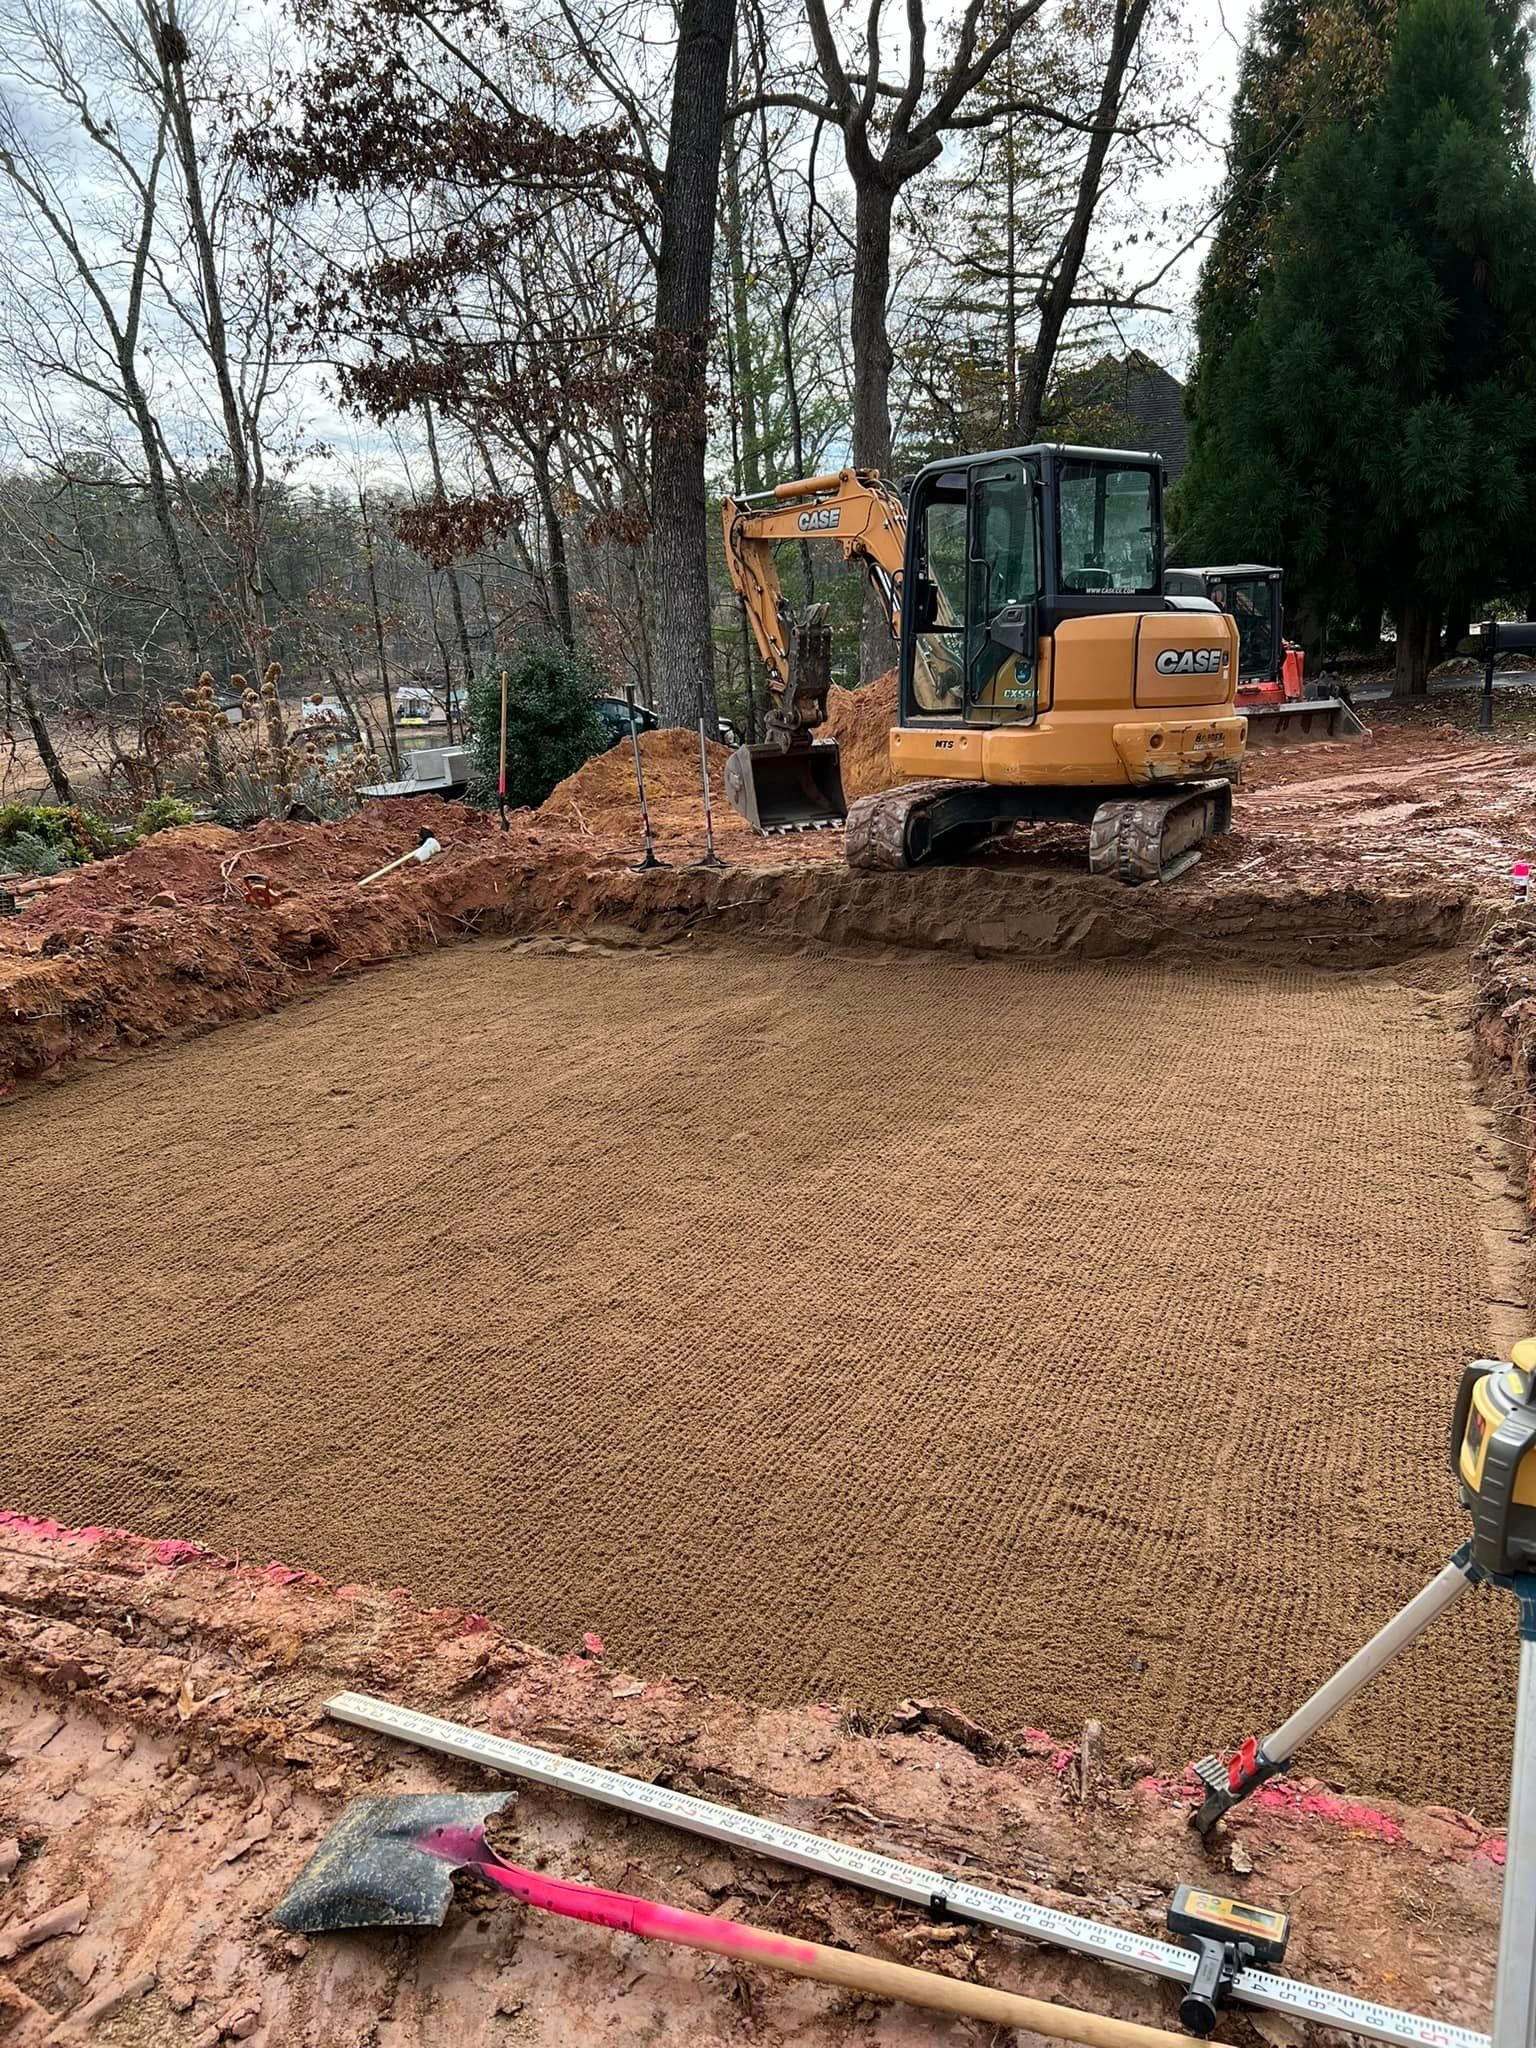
x,y
1228,1935
1493,1455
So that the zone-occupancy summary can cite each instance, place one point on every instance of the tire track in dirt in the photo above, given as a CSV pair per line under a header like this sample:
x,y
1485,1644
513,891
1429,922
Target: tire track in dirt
x,y
1073,1341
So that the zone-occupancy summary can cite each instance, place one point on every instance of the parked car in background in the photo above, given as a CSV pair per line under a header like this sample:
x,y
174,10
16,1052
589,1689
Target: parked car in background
x,y
614,712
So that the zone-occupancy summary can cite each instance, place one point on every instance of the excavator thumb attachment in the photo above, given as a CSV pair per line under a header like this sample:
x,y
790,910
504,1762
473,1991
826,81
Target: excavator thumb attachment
x,y
1301,721
798,788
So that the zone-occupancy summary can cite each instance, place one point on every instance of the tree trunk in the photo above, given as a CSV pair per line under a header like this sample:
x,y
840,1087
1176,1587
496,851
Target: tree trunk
x,y
455,593
1416,628
1056,304
554,540
685,660
873,356
741,319
378,639
17,678
173,51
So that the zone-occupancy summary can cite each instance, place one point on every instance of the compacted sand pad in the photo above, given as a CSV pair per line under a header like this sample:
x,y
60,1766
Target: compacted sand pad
x,y
1064,1342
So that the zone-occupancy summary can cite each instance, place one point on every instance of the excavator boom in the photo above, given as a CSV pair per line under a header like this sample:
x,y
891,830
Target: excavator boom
x,y
790,782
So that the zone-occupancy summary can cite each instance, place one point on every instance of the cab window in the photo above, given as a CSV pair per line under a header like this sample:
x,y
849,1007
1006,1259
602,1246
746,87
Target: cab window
x,y
1107,528
1003,573
1251,601
938,651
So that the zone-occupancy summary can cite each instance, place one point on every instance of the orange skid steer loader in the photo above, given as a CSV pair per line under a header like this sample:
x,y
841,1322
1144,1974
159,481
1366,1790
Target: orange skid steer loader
x,y
1271,683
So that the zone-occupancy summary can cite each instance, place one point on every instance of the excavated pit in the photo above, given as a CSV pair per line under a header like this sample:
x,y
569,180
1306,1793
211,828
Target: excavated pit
x,y
1068,1340
1078,1342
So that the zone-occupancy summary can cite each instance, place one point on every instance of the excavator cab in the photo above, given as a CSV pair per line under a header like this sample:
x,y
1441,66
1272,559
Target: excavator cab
x,y
1045,670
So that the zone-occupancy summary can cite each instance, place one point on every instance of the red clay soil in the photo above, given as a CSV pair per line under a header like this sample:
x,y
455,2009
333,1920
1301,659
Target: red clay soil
x,y
165,1773
860,721
1504,1036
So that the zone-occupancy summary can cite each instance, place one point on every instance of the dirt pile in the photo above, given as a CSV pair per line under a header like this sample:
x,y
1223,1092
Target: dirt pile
x,y
1351,855
602,791
205,865
860,721
167,1770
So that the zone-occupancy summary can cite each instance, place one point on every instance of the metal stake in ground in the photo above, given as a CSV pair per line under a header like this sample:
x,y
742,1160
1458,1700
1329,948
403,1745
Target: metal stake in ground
x,y
501,771
711,858
650,860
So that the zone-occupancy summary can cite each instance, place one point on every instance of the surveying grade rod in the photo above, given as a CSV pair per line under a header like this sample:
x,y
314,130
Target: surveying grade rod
x,y
936,1892
650,860
1514,1986
711,858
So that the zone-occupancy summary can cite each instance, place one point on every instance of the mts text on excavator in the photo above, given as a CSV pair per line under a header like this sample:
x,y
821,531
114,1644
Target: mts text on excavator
x,y
1044,671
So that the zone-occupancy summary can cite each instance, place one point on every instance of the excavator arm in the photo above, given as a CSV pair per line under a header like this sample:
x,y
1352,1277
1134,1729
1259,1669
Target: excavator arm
x,y
791,783
855,508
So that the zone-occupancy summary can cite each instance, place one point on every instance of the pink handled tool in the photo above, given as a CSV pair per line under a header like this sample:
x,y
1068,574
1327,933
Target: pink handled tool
x,y
466,1847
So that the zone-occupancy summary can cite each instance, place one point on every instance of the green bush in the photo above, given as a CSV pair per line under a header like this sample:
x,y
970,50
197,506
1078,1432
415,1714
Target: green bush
x,y
25,854
552,723
160,813
74,835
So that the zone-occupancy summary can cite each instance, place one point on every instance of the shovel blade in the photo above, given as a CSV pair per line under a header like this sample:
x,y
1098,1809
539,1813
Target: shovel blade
x,y
369,1871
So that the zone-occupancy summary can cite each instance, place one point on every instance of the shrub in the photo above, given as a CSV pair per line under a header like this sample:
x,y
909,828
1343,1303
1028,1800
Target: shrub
x,y
25,854
74,835
552,723
160,813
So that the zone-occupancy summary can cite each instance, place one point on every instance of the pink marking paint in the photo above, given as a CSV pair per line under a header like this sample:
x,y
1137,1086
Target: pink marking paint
x,y
1321,1805
467,1847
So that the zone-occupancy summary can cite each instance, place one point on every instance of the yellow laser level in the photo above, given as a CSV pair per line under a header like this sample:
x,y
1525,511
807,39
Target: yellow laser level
x,y
1493,1436
1227,1935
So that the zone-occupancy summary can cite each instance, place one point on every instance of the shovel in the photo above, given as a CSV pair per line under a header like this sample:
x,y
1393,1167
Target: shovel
x,y
374,1870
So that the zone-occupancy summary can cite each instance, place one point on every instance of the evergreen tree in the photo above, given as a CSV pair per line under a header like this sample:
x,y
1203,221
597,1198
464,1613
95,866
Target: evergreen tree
x,y
1372,423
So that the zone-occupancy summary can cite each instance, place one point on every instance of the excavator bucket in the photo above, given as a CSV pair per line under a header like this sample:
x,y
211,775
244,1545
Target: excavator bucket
x,y
787,789
1300,722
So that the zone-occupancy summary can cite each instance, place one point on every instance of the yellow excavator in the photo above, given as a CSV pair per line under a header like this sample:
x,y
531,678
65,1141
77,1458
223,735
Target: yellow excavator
x,y
1044,670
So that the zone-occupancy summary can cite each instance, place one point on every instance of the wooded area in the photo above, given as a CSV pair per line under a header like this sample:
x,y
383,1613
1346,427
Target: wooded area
x,y
379,341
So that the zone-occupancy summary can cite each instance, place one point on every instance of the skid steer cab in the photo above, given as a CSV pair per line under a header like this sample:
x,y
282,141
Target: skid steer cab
x,y
1272,691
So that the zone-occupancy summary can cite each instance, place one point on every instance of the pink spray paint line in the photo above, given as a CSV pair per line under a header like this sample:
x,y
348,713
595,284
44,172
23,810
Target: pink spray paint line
x,y
468,1847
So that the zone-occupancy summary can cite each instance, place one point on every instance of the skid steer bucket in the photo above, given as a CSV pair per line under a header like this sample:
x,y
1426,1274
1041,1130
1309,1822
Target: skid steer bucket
x,y
787,789
1302,720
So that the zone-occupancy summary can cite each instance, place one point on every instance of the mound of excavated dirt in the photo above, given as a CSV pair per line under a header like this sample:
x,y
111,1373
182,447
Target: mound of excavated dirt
x,y
860,721
606,783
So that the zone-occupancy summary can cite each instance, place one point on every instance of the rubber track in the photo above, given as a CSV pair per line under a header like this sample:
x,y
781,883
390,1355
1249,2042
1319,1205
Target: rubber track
x,y
875,835
1127,839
